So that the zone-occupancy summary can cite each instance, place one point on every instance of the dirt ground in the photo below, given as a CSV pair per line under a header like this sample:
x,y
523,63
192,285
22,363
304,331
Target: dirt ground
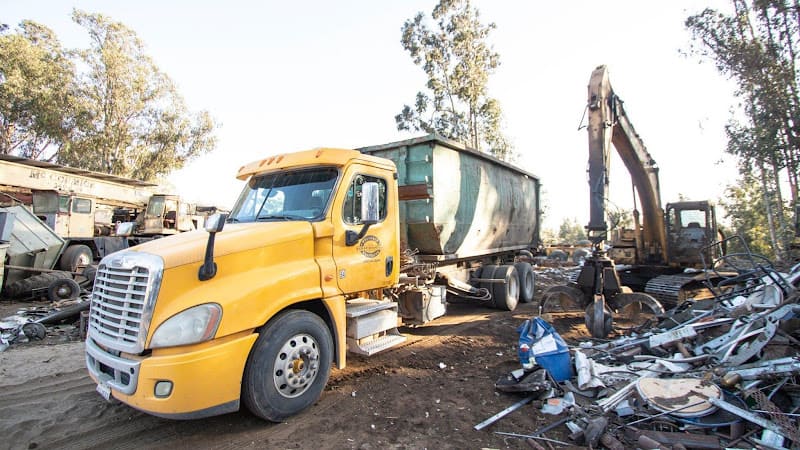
x,y
428,393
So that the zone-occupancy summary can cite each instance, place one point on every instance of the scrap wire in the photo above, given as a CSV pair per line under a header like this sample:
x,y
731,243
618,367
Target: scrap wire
x,y
779,419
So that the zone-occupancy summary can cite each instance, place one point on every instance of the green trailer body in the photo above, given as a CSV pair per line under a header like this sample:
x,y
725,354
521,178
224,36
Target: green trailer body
x,y
457,203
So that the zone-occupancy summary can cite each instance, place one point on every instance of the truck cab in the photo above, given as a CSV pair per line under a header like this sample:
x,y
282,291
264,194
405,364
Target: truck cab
x,y
168,214
263,306
70,216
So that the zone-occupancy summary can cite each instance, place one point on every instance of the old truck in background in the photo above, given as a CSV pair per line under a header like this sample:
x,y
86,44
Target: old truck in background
x,y
81,206
325,251
170,214
84,207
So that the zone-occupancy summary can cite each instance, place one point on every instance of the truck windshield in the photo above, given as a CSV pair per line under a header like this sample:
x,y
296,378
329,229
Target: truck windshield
x,y
292,195
48,203
155,208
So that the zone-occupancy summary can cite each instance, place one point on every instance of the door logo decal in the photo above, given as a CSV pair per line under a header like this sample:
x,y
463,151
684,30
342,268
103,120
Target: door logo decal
x,y
370,246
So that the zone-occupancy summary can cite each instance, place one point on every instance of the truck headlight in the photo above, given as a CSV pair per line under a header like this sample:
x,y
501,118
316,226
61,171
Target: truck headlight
x,y
196,324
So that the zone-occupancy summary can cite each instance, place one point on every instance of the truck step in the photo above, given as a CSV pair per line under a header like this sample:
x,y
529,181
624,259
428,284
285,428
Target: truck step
x,y
362,306
373,345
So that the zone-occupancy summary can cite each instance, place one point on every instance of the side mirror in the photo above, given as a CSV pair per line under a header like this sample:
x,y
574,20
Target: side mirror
x,y
215,222
370,212
213,225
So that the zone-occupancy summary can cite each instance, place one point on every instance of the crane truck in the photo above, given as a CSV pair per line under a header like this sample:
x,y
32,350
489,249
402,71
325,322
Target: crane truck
x,y
84,207
325,252
81,206
654,255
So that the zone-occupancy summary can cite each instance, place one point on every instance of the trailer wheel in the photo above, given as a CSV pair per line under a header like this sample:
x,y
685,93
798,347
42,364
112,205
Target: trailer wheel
x,y
63,289
527,281
506,295
288,366
75,256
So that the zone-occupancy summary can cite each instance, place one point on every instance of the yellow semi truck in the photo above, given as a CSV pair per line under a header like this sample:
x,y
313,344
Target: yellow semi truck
x,y
325,251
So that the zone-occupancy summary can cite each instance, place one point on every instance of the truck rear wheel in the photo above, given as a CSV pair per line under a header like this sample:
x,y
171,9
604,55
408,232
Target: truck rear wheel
x,y
75,256
288,366
506,294
527,281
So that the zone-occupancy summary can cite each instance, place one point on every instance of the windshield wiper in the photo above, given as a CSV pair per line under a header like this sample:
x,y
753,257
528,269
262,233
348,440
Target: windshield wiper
x,y
282,217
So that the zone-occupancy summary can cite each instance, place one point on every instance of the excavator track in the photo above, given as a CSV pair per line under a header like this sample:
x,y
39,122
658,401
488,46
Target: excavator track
x,y
671,290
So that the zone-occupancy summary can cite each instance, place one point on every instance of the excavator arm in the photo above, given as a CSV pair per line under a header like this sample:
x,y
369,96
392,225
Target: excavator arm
x,y
608,124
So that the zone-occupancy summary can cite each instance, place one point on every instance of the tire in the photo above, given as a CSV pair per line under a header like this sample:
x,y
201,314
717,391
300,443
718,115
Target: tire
x,y
75,256
295,340
527,281
26,286
558,255
63,289
506,295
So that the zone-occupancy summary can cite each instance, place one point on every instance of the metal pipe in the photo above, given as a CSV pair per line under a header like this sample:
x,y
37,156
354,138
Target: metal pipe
x,y
503,413
525,436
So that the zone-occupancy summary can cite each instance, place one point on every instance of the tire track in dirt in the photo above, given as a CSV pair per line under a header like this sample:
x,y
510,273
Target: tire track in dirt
x,y
63,411
42,388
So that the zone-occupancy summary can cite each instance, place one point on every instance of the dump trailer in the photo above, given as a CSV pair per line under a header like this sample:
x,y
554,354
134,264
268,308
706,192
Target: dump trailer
x,y
325,251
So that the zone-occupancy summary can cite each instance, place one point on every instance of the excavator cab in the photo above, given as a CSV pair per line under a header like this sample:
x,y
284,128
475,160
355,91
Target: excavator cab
x,y
691,229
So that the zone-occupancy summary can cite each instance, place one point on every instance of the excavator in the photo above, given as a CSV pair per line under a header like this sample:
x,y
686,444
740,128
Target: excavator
x,y
646,267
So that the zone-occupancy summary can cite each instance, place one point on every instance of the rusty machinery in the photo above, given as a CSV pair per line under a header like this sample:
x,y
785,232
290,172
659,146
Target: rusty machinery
x,y
656,251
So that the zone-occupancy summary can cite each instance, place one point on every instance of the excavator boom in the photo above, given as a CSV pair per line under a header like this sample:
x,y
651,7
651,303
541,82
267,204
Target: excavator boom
x,y
608,124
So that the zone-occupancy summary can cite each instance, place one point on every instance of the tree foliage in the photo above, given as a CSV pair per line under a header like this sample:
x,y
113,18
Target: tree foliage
x,y
457,60
744,204
570,231
37,88
118,114
757,46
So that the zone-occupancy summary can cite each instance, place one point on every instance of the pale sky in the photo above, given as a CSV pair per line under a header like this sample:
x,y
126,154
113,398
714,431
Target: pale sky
x,y
280,76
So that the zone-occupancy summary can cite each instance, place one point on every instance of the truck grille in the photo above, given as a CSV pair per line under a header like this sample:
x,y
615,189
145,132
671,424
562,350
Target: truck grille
x,y
122,300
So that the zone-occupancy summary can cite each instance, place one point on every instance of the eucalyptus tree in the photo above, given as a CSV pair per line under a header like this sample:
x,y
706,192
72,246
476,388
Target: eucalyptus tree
x,y
457,59
106,108
757,45
37,87
134,122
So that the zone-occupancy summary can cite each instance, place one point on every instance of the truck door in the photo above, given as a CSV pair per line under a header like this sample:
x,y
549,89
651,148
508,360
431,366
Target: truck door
x,y
81,217
372,262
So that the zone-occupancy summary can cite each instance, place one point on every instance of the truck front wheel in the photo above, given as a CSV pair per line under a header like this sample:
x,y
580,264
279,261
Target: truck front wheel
x,y
288,366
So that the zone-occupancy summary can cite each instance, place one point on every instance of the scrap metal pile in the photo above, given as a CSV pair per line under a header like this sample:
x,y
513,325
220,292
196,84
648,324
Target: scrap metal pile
x,y
713,373
61,320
